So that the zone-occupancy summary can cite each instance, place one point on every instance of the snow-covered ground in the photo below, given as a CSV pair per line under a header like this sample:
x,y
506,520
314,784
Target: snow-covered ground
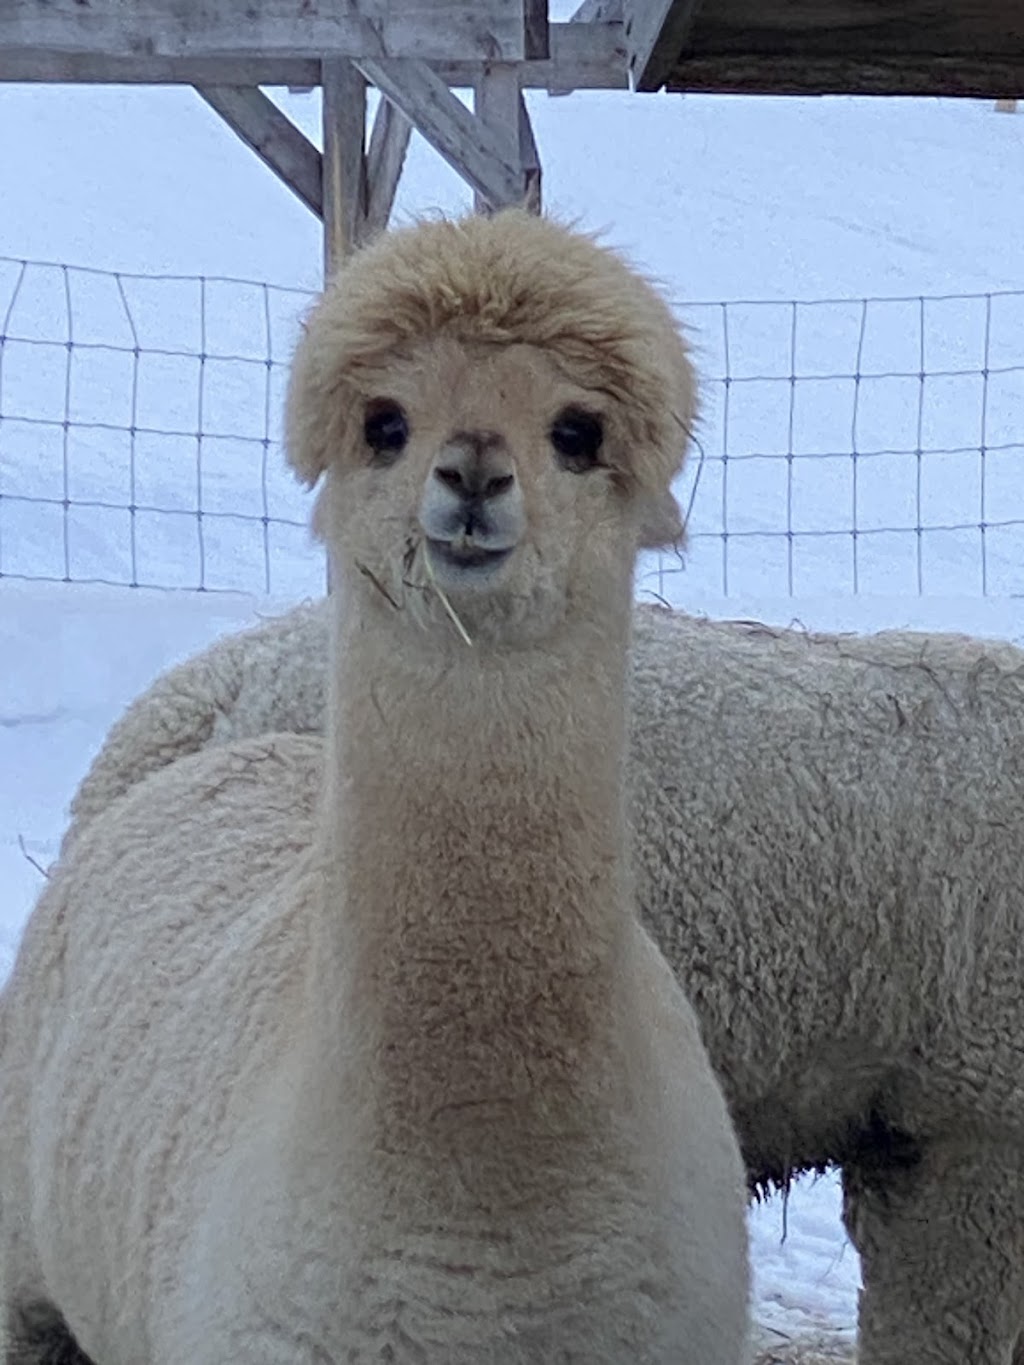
x,y
722,199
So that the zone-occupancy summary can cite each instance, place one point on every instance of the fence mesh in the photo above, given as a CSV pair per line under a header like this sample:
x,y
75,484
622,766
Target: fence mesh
x,y
866,446
845,447
139,431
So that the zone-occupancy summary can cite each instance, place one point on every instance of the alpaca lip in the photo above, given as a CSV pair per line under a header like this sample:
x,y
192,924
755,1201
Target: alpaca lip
x,y
466,556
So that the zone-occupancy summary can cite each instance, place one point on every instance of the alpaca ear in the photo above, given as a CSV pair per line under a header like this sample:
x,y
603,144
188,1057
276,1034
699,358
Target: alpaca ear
x,y
307,460
661,525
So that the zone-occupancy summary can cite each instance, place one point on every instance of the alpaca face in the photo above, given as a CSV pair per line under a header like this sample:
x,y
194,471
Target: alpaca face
x,y
498,407
486,474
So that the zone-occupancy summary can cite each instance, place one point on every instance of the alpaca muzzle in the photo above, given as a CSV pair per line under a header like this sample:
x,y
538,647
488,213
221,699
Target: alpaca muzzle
x,y
472,506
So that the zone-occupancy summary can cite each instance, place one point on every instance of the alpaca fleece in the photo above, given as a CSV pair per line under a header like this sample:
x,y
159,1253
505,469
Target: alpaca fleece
x,y
354,1048
825,837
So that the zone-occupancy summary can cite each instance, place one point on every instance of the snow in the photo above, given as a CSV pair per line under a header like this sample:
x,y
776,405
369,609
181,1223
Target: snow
x,y
722,199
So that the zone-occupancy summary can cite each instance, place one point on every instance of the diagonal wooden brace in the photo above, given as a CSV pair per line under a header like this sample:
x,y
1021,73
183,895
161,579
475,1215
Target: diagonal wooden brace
x,y
272,136
484,158
263,127
389,143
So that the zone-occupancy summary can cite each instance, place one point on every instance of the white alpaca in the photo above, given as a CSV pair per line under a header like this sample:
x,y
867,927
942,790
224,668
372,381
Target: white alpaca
x,y
382,1067
827,851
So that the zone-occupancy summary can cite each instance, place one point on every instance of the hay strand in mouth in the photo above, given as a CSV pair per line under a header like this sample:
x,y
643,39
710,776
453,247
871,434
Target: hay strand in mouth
x,y
453,615
368,573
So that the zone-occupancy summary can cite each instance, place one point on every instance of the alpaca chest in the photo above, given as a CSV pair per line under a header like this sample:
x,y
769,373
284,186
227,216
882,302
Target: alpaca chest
x,y
313,1289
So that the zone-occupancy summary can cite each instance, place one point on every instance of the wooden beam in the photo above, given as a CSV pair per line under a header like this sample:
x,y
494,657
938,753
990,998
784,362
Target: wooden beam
x,y
589,56
590,17
902,47
584,56
273,137
77,68
389,143
344,179
484,30
656,33
468,145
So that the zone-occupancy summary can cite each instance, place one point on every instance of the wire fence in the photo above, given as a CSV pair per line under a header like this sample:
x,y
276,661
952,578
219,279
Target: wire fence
x,y
139,431
866,446
845,446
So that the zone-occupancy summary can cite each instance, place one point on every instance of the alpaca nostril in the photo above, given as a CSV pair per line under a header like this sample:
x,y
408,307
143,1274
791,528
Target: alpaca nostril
x,y
473,484
451,478
497,485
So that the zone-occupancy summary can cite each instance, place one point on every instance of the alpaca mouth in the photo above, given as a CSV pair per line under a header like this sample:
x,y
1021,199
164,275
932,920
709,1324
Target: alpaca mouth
x,y
465,554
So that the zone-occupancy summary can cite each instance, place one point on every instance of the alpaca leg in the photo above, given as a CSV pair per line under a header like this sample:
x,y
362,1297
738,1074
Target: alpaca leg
x,y
36,1334
942,1257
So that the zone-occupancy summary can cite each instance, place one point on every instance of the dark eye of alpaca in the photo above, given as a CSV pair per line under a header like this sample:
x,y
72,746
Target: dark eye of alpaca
x,y
576,436
385,430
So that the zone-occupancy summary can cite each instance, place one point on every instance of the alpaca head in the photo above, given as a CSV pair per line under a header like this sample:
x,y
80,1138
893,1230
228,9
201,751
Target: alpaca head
x,y
499,407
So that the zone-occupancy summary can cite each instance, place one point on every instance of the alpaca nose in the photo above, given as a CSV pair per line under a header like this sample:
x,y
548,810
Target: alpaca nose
x,y
475,466
472,501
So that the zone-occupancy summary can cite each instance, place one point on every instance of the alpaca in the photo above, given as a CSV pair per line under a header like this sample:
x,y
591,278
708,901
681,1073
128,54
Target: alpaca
x,y
369,1059
826,853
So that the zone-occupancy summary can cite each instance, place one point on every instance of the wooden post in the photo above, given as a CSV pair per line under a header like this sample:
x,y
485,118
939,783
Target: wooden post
x,y
344,160
344,172
498,104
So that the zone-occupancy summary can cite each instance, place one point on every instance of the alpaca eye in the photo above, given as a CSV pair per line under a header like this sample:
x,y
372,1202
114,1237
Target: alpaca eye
x,y
576,437
385,430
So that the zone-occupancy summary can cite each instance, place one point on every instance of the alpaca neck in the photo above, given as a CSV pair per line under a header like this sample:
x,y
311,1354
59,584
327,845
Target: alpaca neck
x,y
475,843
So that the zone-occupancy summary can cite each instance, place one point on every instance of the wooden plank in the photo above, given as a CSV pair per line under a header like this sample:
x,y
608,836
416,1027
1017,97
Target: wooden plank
x,y
76,68
587,56
885,47
584,56
389,143
483,30
344,161
468,146
273,137
656,33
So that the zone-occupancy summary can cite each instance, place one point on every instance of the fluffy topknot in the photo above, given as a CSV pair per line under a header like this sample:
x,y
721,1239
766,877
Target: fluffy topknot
x,y
502,279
